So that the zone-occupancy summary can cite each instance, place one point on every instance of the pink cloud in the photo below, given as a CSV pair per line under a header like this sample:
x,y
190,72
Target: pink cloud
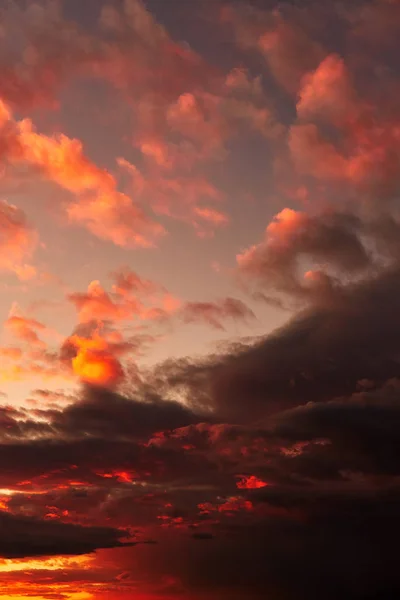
x,y
327,92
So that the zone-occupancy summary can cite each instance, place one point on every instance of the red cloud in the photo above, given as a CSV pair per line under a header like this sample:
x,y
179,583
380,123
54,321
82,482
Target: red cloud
x,y
250,482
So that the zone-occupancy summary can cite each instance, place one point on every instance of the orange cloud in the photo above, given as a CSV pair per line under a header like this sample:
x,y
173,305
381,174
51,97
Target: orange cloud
x,y
131,296
97,304
62,159
284,225
97,204
94,362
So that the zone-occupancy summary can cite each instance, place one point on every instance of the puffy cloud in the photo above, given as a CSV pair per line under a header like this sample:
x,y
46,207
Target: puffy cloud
x,y
342,134
97,204
130,297
106,212
327,92
95,363
331,242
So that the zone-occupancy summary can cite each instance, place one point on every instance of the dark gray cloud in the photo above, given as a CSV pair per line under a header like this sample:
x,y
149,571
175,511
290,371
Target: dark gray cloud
x,y
323,352
27,537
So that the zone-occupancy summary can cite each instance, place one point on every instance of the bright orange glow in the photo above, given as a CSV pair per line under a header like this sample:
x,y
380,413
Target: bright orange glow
x,y
285,224
8,565
94,362
56,588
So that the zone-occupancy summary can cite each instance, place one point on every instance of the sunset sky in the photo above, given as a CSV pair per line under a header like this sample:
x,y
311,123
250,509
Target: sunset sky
x,y
200,299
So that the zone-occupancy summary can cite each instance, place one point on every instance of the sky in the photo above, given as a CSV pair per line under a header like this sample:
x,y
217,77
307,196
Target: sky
x,y
200,291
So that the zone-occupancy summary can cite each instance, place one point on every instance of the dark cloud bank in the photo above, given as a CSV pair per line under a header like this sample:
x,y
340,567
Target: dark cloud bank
x,y
313,410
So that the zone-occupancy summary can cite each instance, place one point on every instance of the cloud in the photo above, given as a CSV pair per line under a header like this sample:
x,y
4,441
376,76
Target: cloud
x,y
181,197
130,297
296,242
106,212
283,42
95,363
97,304
320,354
315,156
327,92
215,313
103,414
24,329
342,134
187,112
18,240
25,537
96,204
